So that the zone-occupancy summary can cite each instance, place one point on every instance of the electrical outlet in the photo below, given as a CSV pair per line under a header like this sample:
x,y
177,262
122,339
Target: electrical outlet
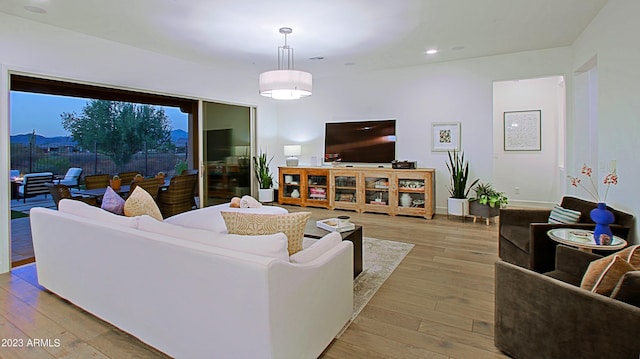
x,y
517,190
614,165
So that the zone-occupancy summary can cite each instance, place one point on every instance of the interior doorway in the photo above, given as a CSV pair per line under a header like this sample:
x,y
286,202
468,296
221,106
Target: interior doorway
x,y
531,177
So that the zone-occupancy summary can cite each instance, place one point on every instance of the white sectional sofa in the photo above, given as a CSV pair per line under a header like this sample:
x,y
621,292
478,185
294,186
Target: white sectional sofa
x,y
195,292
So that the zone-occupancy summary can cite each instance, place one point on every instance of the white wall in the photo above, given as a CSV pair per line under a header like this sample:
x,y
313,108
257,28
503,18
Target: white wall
x,y
460,91
535,174
613,37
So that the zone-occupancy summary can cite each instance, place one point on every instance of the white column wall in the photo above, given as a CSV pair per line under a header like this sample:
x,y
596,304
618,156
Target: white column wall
x,y
612,36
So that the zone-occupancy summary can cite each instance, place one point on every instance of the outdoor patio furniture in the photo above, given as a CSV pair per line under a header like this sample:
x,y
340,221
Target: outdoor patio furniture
x,y
60,191
96,181
178,197
72,177
34,184
151,185
127,177
13,174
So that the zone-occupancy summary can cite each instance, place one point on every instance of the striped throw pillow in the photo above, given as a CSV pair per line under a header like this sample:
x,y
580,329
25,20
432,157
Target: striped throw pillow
x,y
563,215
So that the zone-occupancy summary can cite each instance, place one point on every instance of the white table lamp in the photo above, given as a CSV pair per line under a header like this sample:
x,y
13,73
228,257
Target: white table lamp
x,y
291,151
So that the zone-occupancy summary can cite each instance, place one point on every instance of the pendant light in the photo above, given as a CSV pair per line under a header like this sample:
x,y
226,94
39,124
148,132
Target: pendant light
x,y
285,83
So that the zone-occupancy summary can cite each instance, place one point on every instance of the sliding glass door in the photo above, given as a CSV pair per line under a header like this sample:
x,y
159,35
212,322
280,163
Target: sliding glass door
x,y
226,155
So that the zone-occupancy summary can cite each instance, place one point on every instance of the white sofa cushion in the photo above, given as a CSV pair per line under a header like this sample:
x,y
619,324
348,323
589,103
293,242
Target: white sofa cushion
x,y
209,218
273,245
317,248
85,210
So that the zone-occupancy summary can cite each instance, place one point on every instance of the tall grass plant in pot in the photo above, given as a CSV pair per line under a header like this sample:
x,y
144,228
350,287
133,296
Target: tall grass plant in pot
x,y
264,177
458,202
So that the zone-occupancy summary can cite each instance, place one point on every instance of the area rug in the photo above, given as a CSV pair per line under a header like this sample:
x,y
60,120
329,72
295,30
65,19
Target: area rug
x,y
379,259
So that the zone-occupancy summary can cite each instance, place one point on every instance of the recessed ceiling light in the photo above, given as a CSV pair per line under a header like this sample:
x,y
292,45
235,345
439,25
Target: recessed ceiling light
x,y
316,58
349,63
432,51
457,48
35,9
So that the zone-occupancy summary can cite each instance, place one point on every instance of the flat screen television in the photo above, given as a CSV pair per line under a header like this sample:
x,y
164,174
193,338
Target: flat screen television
x,y
360,141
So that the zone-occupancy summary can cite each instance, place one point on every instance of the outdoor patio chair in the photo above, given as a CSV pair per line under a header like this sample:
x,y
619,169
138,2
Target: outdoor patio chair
x,y
13,174
97,181
127,177
178,197
60,191
72,177
34,184
151,185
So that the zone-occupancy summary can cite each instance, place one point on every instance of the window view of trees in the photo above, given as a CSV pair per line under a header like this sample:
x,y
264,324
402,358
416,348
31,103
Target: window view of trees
x,y
119,130
105,137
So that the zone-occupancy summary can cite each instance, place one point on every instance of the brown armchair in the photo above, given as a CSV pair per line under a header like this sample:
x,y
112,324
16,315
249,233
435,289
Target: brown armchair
x,y
550,316
151,185
523,239
60,191
96,181
178,197
127,177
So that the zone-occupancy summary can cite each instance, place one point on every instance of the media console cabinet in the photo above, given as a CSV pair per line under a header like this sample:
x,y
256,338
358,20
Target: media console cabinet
x,y
361,189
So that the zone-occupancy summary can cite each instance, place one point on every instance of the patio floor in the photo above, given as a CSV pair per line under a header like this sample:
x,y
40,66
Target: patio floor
x,y
21,245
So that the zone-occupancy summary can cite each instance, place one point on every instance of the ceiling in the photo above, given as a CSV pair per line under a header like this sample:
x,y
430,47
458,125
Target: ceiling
x,y
350,35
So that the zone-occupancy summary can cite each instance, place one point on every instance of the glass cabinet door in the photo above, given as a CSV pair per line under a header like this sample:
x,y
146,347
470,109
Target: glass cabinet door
x,y
291,185
376,192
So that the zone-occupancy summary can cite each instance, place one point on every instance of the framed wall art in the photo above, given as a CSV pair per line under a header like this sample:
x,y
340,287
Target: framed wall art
x,y
522,131
445,136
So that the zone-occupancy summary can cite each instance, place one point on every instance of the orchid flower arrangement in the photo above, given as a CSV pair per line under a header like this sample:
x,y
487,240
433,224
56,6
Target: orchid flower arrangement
x,y
610,179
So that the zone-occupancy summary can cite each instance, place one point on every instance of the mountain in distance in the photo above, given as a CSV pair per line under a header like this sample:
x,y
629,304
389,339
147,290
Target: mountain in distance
x,y
178,137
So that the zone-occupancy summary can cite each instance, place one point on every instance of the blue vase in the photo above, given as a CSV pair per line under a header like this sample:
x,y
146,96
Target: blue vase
x,y
603,218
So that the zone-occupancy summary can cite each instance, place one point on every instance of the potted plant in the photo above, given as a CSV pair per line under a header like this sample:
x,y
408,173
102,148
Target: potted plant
x,y
487,202
115,182
264,176
458,202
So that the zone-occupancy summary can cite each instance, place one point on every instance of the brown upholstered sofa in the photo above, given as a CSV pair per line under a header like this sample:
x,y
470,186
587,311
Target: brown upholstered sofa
x,y
523,230
550,316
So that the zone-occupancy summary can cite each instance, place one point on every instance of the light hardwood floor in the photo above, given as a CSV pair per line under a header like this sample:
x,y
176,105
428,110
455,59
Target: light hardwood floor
x,y
437,304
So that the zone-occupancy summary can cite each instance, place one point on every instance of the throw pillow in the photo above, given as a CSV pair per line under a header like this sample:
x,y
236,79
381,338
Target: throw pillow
x,y
140,202
249,202
235,202
631,255
564,215
291,224
609,276
317,249
112,202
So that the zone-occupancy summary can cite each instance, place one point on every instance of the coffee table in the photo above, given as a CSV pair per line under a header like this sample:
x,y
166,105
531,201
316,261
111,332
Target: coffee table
x,y
355,236
583,239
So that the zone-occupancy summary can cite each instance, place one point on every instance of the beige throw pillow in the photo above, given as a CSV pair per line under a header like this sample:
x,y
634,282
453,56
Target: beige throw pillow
x,y
140,202
291,224
603,274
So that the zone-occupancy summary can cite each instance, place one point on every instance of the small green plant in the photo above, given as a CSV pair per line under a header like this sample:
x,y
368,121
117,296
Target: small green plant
x,y
181,165
486,194
263,173
459,170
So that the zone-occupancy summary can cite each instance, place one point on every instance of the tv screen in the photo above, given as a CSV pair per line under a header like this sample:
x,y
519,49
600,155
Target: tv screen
x,y
361,141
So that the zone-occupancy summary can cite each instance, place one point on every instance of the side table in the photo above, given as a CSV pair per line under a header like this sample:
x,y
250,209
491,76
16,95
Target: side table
x,y
355,236
583,239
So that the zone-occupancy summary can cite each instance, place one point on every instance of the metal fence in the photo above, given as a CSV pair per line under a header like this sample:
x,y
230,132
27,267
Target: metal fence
x,y
30,158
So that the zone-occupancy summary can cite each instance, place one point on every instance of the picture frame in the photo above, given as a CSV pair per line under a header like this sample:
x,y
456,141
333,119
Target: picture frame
x,y
523,130
445,136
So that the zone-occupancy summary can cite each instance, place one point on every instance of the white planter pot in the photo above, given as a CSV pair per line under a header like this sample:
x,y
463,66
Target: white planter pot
x,y
265,194
458,206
